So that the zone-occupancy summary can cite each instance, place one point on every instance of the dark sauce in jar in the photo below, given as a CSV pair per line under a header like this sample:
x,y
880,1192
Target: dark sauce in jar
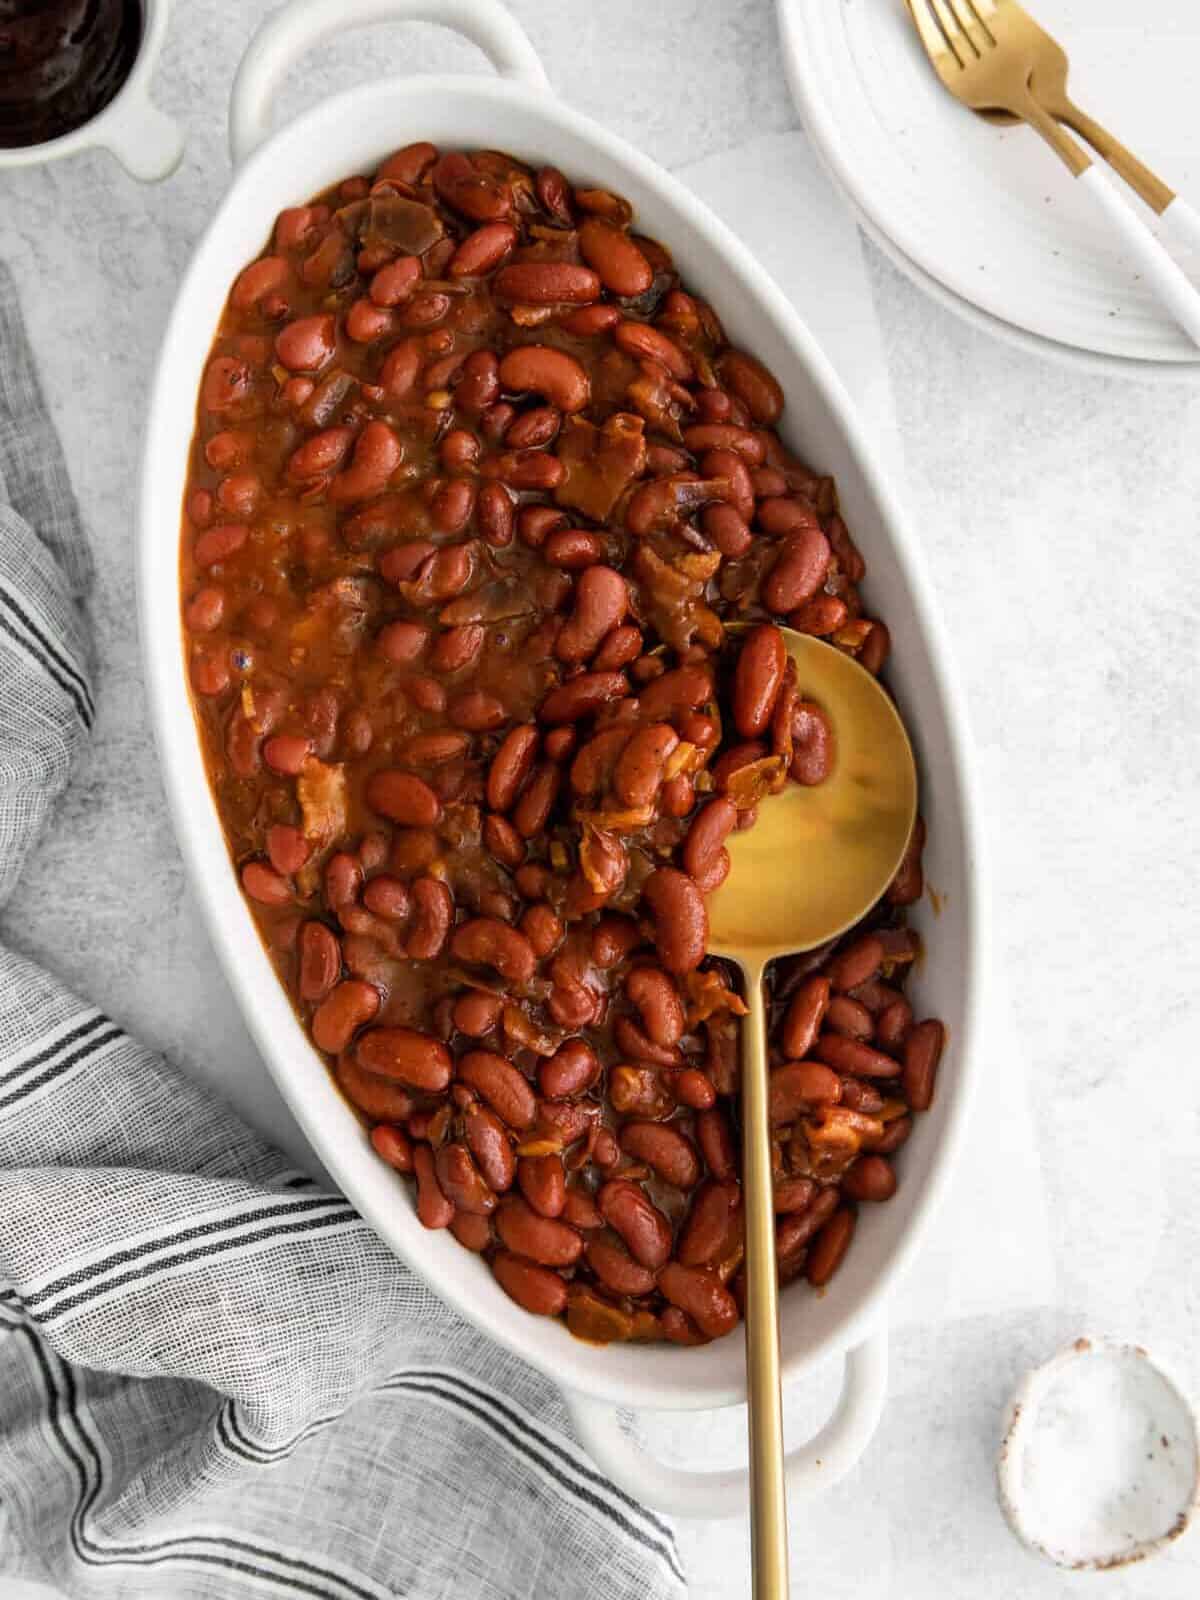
x,y
61,62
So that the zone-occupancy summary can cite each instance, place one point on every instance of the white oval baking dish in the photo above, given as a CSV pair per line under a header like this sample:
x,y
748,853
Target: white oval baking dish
x,y
517,111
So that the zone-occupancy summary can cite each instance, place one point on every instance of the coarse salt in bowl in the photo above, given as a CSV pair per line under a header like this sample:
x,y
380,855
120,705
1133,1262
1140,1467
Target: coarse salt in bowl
x,y
1099,1464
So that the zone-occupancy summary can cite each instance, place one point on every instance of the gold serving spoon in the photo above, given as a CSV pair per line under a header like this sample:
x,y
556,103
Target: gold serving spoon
x,y
814,862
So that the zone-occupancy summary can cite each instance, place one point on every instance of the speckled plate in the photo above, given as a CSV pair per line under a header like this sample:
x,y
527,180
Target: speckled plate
x,y
985,217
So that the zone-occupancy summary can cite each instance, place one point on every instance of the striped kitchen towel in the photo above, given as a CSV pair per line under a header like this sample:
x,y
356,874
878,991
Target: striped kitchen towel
x,y
214,1380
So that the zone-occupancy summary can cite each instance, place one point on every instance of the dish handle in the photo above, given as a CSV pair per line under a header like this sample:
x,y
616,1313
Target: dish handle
x,y
295,28
810,1469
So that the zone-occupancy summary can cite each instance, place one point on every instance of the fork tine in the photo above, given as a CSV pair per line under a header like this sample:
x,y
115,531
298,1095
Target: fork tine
x,y
958,40
972,25
937,47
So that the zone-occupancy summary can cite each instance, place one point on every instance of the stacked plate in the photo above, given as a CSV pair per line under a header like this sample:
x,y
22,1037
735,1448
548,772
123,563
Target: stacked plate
x,y
985,217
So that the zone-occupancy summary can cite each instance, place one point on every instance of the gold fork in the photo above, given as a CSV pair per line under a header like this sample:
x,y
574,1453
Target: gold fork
x,y
992,56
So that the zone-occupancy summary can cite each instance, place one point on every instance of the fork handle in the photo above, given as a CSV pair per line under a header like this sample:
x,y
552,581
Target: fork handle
x,y
1168,280
1180,226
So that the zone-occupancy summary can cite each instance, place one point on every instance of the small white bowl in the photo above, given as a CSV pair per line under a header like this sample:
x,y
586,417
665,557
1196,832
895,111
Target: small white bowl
x,y
147,143
1099,1466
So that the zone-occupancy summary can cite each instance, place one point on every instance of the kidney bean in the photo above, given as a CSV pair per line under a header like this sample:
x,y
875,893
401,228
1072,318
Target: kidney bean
x,y
403,797
488,1143
581,696
495,515
892,1025
377,454
460,1181
534,1288
540,369
680,919
646,343
893,1136
503,842
805,1013
908,885
306,344
823,615
543,1182
657,999
664,1149
532,810
859,1096
870,1179
849,1055
409,165
264,884
630,1212
757,679
546,1240
640,768
215,545
751,383
675,692
813,748
793,1194
511,765
591,321
483,250
570,1071
434,1210
349,1006
922,1052
320,962
794,1231
616,1268
500,1084
366,322
856,963
544,283
460,183
579,1209
705,436
393,1145
693,1088
388,898
532,429
376,1098
413,1058
472,1232
476,712
798,572
799,1085
706,837
432,915
479,383
477,1013
705,1236
702,1296
287,848
727,529
716,1144
618,262
781,515
851,1018
829,1247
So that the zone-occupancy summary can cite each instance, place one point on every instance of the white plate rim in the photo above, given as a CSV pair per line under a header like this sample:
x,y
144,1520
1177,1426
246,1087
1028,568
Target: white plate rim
x,y
819,128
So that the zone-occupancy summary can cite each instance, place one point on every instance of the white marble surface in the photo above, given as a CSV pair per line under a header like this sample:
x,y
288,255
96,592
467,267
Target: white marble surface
x,y
1060,514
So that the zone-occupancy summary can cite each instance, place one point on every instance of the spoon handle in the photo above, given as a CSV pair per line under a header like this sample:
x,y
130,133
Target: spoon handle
x,y
768,1500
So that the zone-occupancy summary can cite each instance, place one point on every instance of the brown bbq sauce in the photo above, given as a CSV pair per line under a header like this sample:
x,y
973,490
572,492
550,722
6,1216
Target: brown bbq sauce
x,y
61,63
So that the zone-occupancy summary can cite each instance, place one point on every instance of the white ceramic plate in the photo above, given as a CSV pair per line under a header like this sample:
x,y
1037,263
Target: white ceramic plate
x,y
986,216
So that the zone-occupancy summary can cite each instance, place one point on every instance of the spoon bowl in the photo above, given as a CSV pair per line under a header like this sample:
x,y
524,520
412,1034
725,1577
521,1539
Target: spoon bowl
x,y
818,858
815,861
